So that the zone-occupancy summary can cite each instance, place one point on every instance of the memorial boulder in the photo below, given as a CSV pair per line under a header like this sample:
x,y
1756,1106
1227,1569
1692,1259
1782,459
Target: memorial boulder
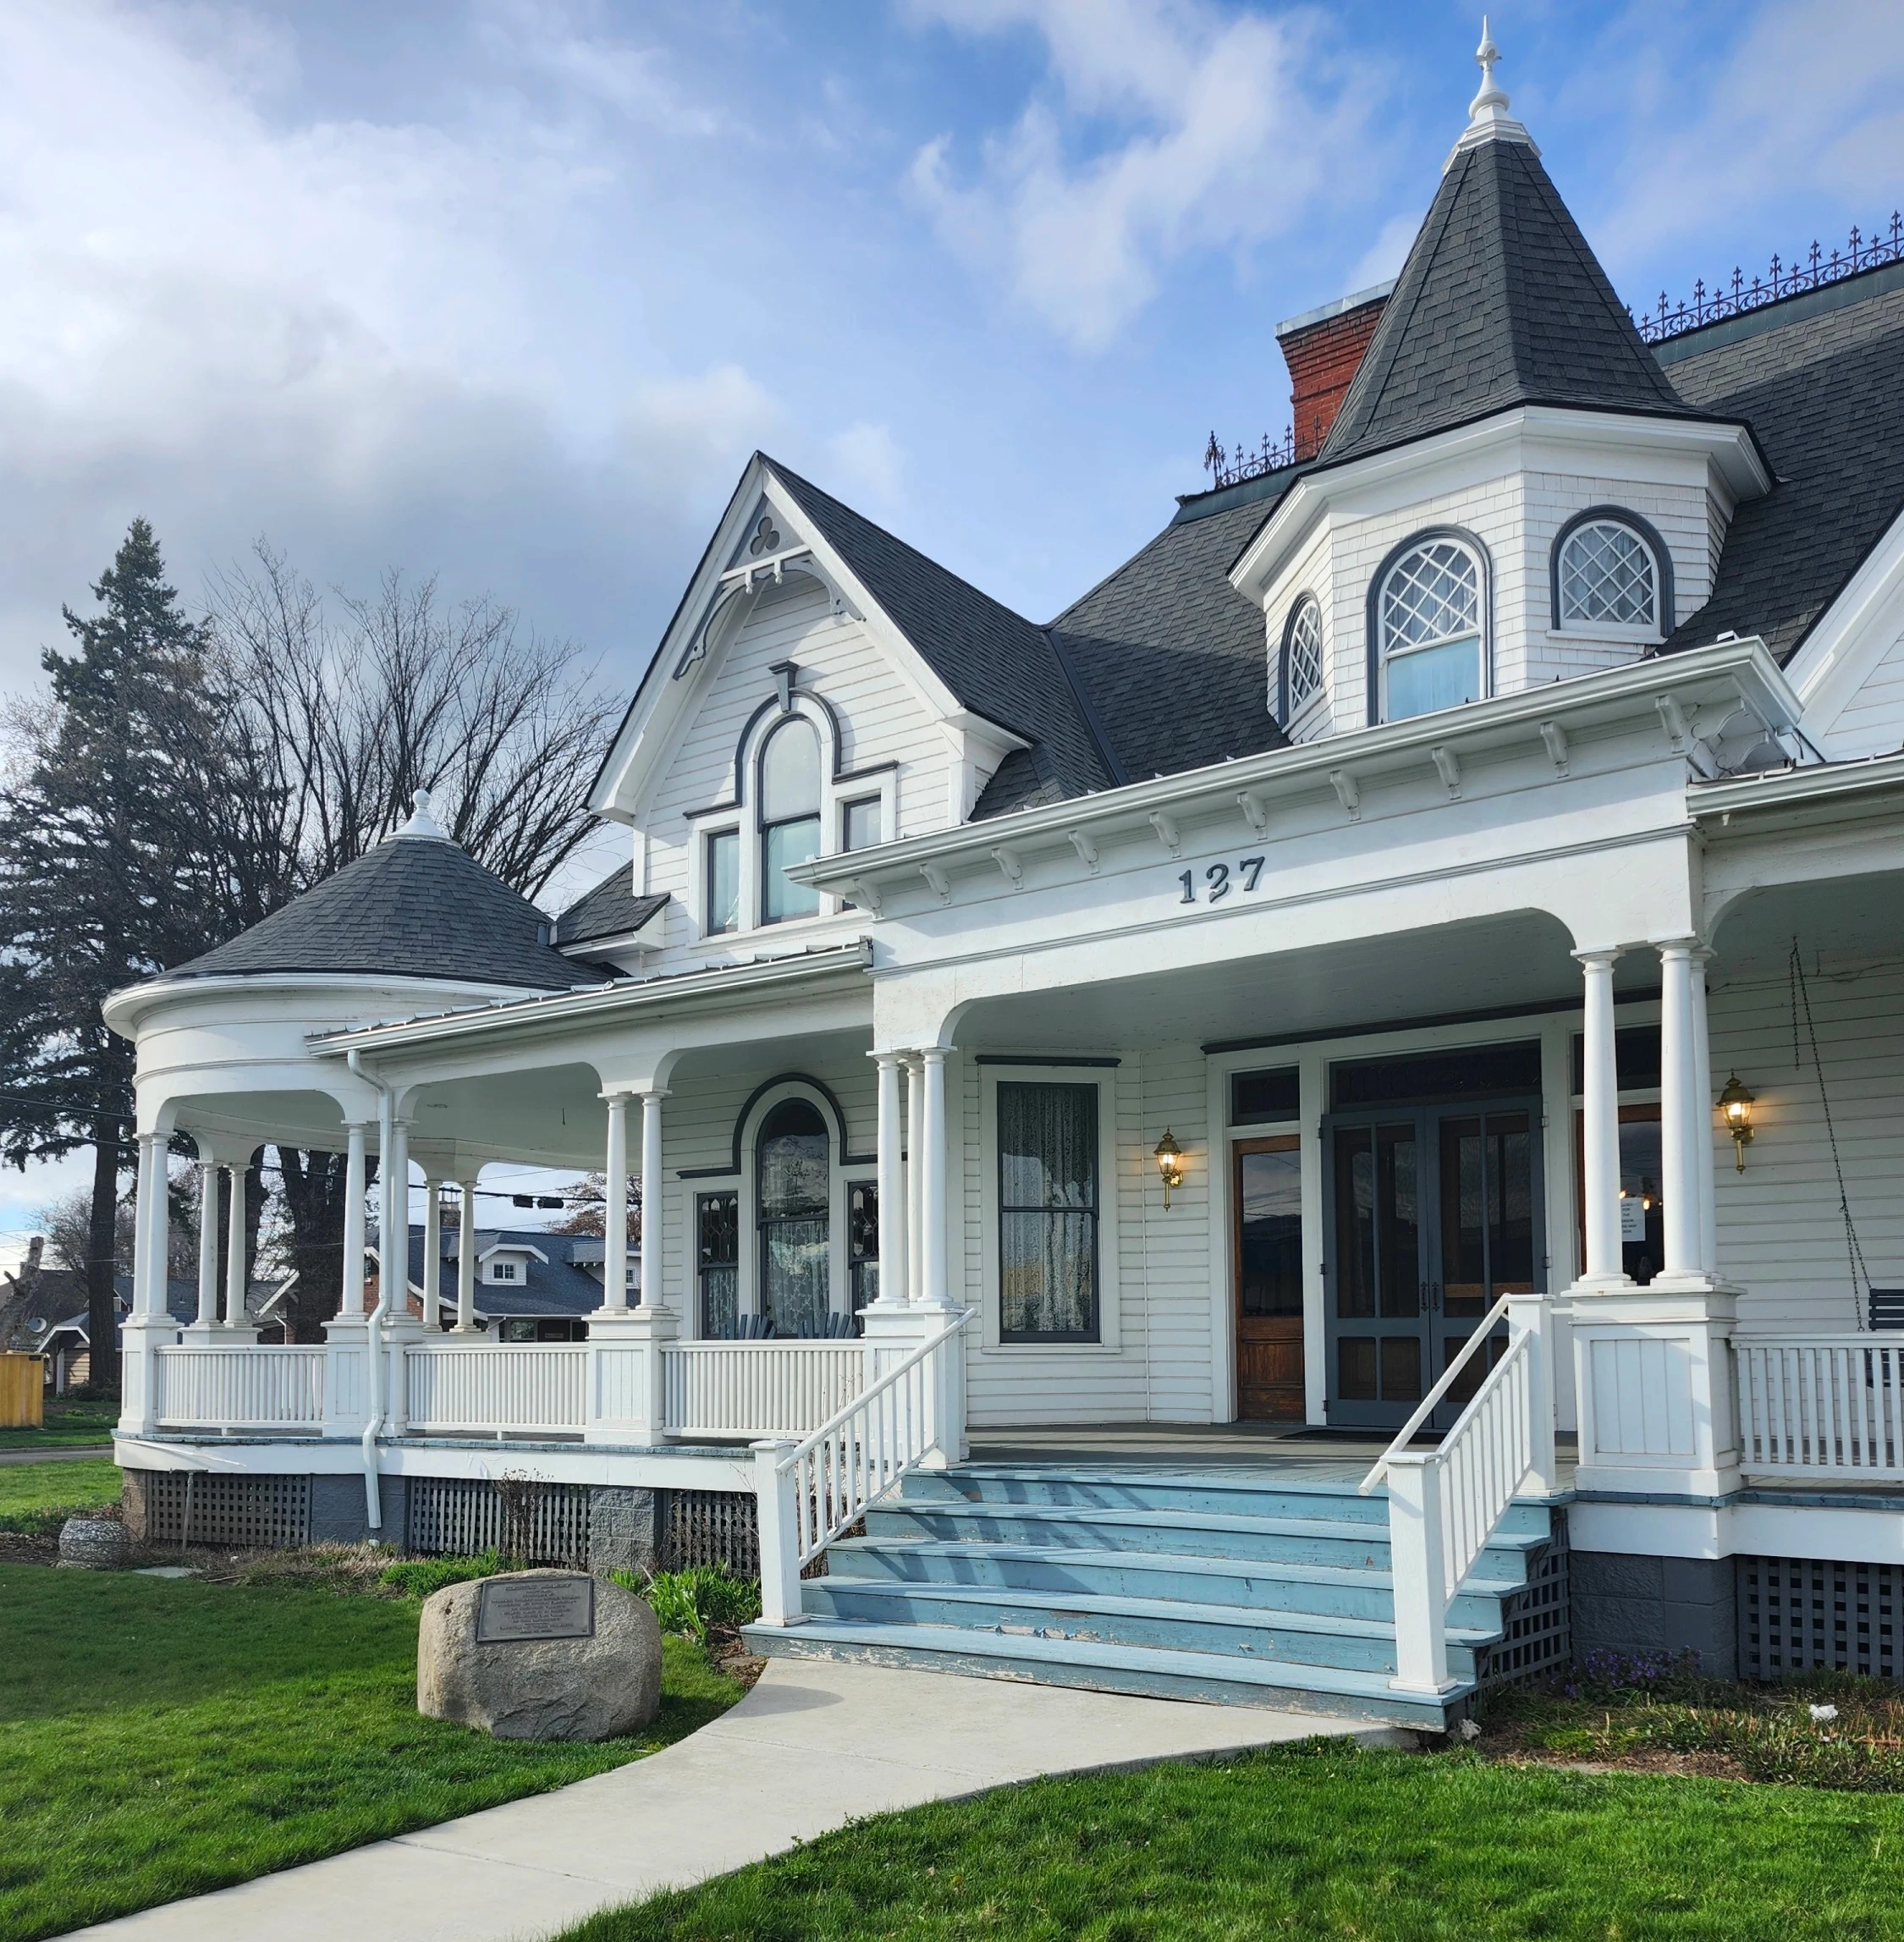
x,y
539,1655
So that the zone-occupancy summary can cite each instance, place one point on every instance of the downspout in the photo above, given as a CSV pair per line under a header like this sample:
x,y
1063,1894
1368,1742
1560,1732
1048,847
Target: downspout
x,y
373,1325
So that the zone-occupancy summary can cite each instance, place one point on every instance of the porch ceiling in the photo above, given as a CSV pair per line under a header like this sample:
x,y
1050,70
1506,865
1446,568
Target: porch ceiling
x,y
1845,918
1521,960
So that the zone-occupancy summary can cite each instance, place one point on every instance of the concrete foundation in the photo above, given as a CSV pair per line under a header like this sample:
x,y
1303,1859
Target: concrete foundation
x,y
1638,1604
339,1515
624,1529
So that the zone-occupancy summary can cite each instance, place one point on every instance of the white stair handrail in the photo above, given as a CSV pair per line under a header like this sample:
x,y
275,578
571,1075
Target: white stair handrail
x,y
1431,1401
812,1493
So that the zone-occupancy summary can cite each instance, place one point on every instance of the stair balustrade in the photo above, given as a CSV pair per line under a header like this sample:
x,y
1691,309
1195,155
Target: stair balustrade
x,y
1446,1504
1821,1405
810,1492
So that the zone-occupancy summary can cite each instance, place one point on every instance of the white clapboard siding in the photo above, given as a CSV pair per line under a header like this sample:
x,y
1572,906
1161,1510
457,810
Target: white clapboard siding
x,y
1781,1237
1872,723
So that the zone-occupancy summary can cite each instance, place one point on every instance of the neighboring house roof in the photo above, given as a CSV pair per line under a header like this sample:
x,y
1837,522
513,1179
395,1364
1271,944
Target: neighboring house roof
x,y
560,1285
418,906
610,909
1500,303
996,661
1818,379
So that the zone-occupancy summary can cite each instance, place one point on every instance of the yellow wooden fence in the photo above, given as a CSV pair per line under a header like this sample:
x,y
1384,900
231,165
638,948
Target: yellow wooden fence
x,y
22,1392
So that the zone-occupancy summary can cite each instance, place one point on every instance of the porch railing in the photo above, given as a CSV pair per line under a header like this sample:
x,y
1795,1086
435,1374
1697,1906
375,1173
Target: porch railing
x,y
1446,1504
815,1492
530,1388
758,1388
245,1387
1821,1405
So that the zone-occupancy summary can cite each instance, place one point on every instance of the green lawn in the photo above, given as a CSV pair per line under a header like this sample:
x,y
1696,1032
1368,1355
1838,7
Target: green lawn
x,y
37,1496
1322,1841
161,1737
68,1426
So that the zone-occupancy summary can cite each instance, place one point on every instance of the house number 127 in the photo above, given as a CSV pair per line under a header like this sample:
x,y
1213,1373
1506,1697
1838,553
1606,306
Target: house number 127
x,y
1221,879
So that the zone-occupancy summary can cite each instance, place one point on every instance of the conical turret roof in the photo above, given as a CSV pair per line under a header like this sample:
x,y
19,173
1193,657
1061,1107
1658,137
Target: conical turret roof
x,y
1500,303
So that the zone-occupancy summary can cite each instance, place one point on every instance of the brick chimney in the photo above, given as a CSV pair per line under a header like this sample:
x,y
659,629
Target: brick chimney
x,y
1323,351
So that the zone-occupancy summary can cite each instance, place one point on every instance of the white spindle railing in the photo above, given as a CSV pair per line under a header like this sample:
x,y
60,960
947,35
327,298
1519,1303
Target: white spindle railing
x,y
810,1495
538,1387
1812,1405
1446,1504
246,1386
758,1388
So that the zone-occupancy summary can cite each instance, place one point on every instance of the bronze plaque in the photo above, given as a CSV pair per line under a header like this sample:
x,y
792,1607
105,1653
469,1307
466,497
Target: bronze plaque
x,y
511,1609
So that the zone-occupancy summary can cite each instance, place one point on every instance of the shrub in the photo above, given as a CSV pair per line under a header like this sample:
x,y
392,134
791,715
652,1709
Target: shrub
x,y
689,1602
418,1577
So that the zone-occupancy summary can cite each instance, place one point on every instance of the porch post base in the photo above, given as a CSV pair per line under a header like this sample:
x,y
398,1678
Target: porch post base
x,y
627,1396
1654,1385
139,1396
346,1375
401,1330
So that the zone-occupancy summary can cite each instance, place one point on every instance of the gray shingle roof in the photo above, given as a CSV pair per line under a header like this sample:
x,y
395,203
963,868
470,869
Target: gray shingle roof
x,y
1500,303
1825,395
415,906
561,1285
610,909
995,661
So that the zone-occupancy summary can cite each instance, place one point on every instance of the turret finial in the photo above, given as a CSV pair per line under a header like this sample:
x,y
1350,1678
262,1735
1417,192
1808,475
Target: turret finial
x,y
1488,119
421,822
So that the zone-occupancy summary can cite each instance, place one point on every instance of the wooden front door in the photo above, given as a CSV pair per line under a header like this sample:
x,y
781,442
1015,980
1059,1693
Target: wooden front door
x,y
1268,1255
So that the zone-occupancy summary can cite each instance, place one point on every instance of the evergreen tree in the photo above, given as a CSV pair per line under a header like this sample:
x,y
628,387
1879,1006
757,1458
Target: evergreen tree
x,y
106,876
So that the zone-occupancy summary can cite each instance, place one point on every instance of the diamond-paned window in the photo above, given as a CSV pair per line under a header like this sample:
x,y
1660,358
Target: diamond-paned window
x,y
1431,630
1608,578
1302,670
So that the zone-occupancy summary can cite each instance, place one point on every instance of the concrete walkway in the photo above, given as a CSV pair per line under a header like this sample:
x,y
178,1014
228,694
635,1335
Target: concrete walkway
x,y
812,1746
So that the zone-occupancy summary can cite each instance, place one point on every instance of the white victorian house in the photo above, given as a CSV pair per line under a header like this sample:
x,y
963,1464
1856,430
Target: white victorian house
x,y
1417,953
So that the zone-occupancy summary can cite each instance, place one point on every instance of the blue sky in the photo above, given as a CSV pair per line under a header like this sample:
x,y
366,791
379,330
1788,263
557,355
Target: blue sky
x,y
507,290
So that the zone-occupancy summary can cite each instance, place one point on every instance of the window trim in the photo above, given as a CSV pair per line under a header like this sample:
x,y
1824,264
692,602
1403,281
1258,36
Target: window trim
x,y
1110,1334
1302,600
1647,534
1375,707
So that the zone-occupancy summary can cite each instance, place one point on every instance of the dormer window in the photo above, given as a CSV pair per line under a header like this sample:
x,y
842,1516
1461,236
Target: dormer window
x,y
789,819
1609,577
1302,658
1429,609
505,1271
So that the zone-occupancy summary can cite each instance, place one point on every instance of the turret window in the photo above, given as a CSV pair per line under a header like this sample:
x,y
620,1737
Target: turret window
x,y
1608,578
1302,658
1431,636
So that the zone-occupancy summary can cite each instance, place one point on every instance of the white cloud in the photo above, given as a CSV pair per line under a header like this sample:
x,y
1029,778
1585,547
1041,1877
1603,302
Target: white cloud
x,y
377,341
1384,257
1228,129
865,460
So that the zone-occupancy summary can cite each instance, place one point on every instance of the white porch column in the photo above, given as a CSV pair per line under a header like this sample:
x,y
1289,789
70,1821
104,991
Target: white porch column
x,y
237,1268
932,1184
432,1252
355,1171
892,1184
466,1257
393,1218
1682,1124
208,1241
1600,1118
915,1174
142,1231
148,1328
1704,1105
614,1213
650,1199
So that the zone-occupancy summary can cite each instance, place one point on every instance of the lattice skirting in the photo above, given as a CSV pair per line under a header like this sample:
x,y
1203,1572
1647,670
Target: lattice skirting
x,y
243,1513
460,1516
1537,1640
1805,1614
712,1528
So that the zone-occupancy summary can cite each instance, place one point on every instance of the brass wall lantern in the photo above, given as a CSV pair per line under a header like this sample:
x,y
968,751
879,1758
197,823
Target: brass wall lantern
x,y
1735,1103
1169,1163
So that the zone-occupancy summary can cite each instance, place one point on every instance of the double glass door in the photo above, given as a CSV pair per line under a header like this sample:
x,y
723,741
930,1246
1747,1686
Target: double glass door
x,y
1435,1214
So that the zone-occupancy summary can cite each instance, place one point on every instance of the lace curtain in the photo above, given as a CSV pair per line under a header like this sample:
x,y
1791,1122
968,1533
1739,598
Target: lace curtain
x,y
1047,1219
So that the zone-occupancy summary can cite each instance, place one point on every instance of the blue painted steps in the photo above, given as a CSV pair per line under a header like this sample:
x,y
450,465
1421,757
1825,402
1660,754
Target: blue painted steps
x,y
1263,1586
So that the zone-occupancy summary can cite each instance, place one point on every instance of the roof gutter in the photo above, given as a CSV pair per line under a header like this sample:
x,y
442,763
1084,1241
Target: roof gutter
x,y
1795,788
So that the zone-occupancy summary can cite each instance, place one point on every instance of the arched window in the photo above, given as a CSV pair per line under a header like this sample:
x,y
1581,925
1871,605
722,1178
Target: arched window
x,y
1606,575
789,819
792,1200
1429,611
1302,656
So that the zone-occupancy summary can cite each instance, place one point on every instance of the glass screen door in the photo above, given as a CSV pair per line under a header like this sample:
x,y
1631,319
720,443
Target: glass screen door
x,y
1435,1215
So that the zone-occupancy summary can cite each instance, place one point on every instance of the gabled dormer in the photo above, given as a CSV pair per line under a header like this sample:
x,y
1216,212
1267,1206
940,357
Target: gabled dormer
x,y
823,687
1512,492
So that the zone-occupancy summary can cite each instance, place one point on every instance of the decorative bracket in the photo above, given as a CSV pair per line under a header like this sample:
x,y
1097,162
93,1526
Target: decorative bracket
x,y
1254,813
1348,792
1168,834
1447,767
1555,737
1672,718
1086,849
865,894
941,884
1009,860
